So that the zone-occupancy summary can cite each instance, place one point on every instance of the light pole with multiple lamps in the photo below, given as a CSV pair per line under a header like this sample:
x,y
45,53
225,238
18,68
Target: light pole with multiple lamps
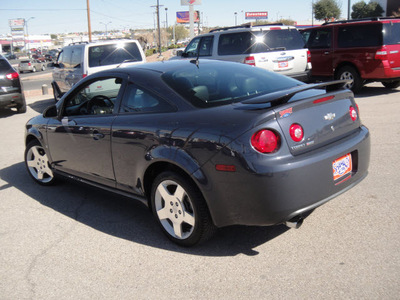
x,y
27,34
106,24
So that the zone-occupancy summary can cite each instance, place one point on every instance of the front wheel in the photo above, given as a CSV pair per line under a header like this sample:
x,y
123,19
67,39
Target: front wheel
x,y
33,70
37,163
43,68
391,84
180,210
350,73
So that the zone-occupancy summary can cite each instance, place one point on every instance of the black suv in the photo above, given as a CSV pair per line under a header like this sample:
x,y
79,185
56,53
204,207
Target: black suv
x,y
10,87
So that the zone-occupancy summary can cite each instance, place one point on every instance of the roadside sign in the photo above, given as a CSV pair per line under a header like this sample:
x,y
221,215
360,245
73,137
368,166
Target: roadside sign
x,y
257,15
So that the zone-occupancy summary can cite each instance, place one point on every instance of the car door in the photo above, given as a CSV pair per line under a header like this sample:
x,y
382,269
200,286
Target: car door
x,y
200,46
80,138
321,48
139,127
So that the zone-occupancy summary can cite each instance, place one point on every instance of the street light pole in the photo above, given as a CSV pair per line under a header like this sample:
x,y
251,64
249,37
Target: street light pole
x,y
27,33
235,18
105,24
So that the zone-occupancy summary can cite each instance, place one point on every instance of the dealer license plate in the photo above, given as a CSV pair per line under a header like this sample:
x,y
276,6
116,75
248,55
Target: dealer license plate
x,y
342,167
283,64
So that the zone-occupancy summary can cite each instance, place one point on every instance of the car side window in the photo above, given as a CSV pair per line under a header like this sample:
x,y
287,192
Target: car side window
x,y
360,36
206,45
233,43
76,57
320,39
96,98
192,48
137,100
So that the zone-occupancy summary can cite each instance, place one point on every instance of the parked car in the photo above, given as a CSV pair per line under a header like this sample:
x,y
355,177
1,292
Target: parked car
x,y
31,65
39,57
204,143
277,47
10,56
11,95
79,60
363,51
49,57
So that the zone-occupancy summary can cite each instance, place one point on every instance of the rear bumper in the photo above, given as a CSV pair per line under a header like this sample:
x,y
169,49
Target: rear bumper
x,y
303,76
11,100
382,72
274,193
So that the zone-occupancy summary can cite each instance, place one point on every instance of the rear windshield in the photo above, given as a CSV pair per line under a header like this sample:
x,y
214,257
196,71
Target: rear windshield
x,y
104,55
259,41
391,33
4,65
220,84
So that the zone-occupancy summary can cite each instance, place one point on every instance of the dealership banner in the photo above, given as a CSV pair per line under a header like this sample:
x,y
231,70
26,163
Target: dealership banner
x,y
183,17
257,15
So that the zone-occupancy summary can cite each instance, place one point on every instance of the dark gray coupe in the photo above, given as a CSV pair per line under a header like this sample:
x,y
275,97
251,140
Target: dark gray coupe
x,y
204,144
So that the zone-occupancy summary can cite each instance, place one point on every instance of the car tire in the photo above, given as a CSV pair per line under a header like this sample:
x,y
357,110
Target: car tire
x,y
348,72
391,84
22,108
180,210
37,164
33,70
43,68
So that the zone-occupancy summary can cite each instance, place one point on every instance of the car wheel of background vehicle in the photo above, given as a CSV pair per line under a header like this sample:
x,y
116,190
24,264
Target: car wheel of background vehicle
x,y
43,68
22,108
350,73
180,210
37,163
33,70
391,84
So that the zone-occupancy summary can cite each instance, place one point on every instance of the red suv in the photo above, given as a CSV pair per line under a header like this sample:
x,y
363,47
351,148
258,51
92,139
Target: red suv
x,y
364,50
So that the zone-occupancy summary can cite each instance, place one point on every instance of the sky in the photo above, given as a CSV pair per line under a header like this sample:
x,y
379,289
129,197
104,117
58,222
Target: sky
x,y
65,16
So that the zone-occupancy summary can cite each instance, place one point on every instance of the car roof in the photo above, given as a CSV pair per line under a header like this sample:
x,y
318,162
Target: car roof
x,y
364,20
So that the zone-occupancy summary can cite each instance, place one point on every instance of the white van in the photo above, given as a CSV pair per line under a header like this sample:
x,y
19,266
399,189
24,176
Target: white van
x,y
79,60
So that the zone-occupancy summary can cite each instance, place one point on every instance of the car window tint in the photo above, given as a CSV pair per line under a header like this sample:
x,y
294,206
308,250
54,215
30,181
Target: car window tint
x,y
360,36
320,39
391,33
233,43
138,100
104,55
76,57
214,85
288,39
66,57
97,98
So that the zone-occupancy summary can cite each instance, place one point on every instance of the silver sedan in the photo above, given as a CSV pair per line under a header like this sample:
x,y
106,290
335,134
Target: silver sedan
x,y
32,65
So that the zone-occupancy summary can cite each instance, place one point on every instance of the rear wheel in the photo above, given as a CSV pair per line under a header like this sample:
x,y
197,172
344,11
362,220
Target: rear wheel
x,y
350,73
43,68
180,210
37,163
22,108
33,70
391,84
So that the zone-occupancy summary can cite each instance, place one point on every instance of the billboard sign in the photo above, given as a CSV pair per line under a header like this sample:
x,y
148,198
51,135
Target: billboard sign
x,y
182,17
17,22
257,15
190,2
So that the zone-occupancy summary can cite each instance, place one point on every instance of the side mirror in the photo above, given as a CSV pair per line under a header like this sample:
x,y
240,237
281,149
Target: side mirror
x,y
50,112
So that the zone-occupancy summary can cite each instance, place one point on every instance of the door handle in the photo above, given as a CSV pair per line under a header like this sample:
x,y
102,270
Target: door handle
x,y
97,135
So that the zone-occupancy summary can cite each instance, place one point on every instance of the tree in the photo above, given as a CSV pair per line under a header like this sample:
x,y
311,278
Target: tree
x,y
181,32
327,9
364,10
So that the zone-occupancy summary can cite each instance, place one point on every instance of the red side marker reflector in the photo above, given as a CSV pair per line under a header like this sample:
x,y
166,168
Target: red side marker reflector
x,y
225,168
323,99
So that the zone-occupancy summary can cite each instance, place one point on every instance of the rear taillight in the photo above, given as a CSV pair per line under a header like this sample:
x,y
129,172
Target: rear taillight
x,y
353,113
13,75
265,141
250,60
308,56
29,64
296,132
381,54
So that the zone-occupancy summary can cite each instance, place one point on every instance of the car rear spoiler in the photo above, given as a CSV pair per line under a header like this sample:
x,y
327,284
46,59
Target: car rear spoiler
x,y
285,95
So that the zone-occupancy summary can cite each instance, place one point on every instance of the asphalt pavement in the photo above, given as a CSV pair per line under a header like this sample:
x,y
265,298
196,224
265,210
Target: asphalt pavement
x,y
75,242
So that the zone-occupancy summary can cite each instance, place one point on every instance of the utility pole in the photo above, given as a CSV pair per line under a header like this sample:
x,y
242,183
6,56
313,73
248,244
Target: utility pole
x,y
158,24
348,10
88,17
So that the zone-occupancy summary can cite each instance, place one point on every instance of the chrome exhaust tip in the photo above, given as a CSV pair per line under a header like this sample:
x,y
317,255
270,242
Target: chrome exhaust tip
x,y
295,222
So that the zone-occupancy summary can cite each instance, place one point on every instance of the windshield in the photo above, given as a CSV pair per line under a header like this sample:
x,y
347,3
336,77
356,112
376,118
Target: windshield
x,y
111,54
215,84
